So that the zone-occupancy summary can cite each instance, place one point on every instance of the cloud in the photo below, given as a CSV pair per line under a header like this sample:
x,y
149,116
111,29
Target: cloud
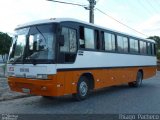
x,y
108,22
14,12
151,26
18,12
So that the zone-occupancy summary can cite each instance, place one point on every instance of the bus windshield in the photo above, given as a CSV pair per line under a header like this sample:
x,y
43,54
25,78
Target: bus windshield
x,y
34,44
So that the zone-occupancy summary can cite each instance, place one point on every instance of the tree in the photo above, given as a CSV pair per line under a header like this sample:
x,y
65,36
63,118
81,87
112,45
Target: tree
x,y
5,43
157,39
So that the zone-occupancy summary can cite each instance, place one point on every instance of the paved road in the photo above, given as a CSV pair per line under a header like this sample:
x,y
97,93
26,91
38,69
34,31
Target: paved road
x,y
118,99
6,93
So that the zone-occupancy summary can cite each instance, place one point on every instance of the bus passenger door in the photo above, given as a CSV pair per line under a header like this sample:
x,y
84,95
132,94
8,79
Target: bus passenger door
x,y
67,52
67,55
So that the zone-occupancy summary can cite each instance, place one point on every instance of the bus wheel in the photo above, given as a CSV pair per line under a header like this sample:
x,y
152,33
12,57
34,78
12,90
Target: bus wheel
x,y
138,81
82,89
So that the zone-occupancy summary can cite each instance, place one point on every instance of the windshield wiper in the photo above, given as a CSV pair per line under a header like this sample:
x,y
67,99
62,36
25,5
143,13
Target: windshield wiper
x,y
30,60
15,60
41,34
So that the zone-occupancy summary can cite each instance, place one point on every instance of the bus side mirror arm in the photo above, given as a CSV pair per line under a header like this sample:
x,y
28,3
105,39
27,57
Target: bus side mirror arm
x,y
61,40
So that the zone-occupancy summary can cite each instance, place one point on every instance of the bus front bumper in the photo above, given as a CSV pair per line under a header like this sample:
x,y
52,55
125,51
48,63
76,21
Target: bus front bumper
x,y
34,87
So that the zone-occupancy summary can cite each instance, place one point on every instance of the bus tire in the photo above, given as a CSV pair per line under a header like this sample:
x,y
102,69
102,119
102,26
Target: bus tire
x,y
82,89
138,81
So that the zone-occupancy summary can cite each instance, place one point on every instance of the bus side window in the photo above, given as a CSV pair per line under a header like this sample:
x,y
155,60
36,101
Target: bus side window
x,y
149,48
133,45
72,40
89,38
153,49
143,46
65,48
70,44
122,44
86,38
109,41
68,51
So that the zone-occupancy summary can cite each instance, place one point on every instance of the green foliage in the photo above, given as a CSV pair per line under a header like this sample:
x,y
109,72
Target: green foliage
x,y
5,43
19,49
157,39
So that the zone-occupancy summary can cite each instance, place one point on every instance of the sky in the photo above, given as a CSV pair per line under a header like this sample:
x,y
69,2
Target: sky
x,y
141,15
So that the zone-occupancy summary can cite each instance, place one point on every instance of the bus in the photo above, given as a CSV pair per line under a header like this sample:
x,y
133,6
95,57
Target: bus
x,y
65,56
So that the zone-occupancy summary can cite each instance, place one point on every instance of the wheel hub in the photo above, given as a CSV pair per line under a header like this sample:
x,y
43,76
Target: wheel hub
x,y
83,88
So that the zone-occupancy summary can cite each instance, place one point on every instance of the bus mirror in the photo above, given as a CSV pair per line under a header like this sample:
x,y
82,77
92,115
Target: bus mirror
x,y
61,40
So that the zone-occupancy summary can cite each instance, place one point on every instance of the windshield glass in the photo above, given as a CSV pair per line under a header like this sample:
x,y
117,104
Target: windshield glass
x,y
33,44
19,42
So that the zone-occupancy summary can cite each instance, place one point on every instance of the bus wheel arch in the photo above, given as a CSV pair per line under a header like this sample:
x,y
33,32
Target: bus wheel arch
x,y
90,80
138,81
140,70
84,85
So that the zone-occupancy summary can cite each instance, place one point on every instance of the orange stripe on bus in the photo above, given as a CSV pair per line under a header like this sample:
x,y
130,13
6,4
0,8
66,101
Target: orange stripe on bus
x,y
65,82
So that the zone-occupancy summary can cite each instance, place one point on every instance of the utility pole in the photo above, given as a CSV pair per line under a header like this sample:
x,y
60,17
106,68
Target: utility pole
x,y
92,4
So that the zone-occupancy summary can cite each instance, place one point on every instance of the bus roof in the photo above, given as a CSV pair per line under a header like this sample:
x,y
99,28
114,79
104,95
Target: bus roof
x,y
58,20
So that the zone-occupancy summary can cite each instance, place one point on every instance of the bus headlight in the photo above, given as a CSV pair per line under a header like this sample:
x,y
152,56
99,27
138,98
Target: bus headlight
x,y
42,76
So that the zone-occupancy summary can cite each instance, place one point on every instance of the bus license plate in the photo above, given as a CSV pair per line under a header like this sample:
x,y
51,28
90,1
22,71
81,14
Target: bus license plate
x,y
26,90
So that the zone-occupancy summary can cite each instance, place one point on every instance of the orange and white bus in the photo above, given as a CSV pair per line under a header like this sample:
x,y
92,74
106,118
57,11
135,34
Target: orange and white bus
x,y
62,56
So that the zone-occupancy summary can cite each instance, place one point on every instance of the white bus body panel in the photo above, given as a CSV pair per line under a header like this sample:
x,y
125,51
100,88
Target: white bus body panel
x,y
91,59
30,70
